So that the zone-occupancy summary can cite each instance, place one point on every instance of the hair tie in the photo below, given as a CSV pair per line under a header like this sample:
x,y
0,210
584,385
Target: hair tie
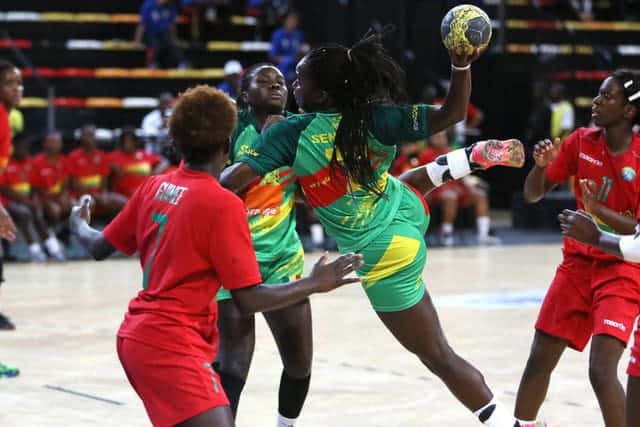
x,y
349,55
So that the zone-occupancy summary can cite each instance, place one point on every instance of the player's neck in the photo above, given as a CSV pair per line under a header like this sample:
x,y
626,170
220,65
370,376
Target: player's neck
x,y
208,168
618,138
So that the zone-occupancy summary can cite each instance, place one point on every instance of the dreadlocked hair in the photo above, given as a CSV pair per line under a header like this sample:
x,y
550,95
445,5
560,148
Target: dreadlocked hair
x,y
356,79
630,82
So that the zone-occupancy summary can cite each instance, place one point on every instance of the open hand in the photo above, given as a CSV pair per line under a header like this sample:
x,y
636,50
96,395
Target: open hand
x,y
328,276
7,227
580,226
545,151
589,194
461,59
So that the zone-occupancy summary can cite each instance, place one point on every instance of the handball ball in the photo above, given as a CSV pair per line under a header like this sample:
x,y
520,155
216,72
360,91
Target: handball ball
x,y
465,28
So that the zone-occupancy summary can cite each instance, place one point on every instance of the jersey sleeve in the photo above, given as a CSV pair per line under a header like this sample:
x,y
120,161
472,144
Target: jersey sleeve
x,y
231,248
566,163
5,140
121,232
276,146
393,124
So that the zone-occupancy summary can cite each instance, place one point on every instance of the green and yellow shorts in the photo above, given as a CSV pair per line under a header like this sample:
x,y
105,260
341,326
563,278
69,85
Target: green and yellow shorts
x,y
285,269
394,261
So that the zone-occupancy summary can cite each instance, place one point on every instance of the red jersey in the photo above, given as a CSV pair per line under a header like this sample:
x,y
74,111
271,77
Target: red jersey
x,y
403,163
192,235
585,155
5,137
91,170
49,176
17,177
136,167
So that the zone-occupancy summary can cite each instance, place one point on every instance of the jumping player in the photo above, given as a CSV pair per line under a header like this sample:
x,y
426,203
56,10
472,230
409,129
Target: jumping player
x,y
580,226
341,151
270,210
593,293
192,235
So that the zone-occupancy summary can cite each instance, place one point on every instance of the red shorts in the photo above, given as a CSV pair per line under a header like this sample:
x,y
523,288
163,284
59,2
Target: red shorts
x,y
634,361
457,189
173,387
591,297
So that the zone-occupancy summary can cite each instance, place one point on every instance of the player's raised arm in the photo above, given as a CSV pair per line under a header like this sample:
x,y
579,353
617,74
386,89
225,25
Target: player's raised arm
x,y
537,182
324,278
237,177
92,240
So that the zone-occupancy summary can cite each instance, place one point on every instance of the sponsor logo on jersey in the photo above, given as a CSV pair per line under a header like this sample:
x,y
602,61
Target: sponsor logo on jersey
x,y
628,174
590,159
615,324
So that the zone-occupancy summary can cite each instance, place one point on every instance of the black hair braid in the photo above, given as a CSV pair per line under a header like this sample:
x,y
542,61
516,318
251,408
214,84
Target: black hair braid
x,y
630,82
357,78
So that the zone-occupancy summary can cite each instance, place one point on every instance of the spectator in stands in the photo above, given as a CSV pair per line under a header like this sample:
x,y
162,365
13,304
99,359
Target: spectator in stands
x,y
130,166
469,126
232,78
286,45
50,181
155,125
456,194
157,31
89,170
562,114
566,9
26,211
408,158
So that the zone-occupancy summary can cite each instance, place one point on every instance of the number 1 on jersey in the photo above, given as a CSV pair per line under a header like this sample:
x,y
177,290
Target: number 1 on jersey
x,y
604,189
161,219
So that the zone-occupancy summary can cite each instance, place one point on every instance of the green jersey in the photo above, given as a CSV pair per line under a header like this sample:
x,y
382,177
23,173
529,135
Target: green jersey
x,y
269,202
350,214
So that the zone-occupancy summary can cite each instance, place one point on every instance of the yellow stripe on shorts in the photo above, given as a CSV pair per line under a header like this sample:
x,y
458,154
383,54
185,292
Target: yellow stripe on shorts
x,y
400,253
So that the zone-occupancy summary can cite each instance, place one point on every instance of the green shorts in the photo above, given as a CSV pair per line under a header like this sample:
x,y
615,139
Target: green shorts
x,y
283,270
394,261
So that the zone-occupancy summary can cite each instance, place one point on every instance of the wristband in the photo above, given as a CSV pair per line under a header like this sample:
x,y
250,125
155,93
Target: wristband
x,y
465,68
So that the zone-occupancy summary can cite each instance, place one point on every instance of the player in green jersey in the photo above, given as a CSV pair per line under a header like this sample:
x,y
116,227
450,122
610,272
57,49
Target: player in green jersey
x,y
341,151
270,211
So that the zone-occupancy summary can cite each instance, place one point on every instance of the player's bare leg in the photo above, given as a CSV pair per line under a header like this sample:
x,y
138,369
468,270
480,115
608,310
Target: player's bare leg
x,y
237,342
603,374
292,331
216,417
543,358
459,163
633,397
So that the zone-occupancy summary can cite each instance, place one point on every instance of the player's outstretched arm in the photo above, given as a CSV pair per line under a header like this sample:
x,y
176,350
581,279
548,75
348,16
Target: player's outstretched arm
x,y
92,239
579,226
537,183
237,177
460,163
325,277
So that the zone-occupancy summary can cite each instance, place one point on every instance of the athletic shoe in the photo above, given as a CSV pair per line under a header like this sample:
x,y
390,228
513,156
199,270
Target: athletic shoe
x,y
489,240
493,152
6,324
532,424
8,371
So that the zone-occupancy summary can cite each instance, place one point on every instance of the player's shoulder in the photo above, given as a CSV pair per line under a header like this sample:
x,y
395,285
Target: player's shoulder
x,y
589,134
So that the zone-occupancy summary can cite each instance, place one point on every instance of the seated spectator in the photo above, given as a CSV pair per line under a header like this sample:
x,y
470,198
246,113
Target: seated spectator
x,y
562,113
157,31
456,194
50,181
155,125
15,186
89,170
232,78
408,158
286,44
130,165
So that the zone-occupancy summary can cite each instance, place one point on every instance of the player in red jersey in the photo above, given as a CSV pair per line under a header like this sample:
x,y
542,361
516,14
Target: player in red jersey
x,y
50,180
454,194
593,293
131,166
580,226
89,170
10,96
192,235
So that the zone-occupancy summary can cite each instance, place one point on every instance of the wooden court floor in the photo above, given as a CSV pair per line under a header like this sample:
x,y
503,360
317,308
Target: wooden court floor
x,y
67,316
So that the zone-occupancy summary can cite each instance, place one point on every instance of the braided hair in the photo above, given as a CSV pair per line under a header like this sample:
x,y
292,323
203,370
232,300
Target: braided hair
x,y
630,82
356,79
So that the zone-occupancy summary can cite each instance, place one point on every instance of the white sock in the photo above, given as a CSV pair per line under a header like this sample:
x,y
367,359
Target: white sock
x,y
53,245
447,228
35,248
483,223
286,422
317,234
495,415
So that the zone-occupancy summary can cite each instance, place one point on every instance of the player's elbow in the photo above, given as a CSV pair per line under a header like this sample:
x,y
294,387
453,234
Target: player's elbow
x,y
245,302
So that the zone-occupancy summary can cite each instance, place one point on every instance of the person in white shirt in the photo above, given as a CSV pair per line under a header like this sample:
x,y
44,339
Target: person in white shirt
x,y
155,124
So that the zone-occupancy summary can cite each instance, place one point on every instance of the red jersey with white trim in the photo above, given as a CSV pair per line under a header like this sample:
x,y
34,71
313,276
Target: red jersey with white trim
x,y
192,235
136,167
17,177
90,169
49,176
585,155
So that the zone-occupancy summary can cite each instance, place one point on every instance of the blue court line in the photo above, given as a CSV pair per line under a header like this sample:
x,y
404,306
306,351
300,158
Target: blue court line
x,y
88,396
